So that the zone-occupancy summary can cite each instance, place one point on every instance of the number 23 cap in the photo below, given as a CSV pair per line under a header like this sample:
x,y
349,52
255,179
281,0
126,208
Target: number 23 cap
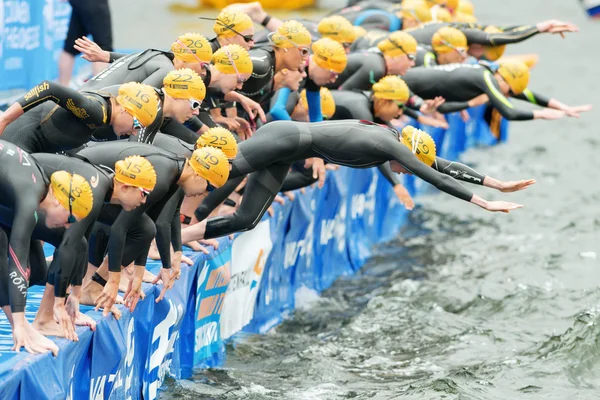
x,y
220,138
211,164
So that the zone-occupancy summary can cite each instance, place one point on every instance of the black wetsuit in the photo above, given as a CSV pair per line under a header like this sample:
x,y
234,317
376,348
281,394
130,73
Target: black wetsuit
x,y
475,33
57,118
426,57
24,186
149,67
70,256
268,155
168,167
369,40
259,87
463,82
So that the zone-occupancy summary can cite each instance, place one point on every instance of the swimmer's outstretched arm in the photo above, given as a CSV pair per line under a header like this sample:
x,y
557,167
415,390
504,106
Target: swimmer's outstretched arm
x,y
465,173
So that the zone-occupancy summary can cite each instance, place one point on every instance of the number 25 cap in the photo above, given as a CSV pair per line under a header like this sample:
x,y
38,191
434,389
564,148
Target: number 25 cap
x,y
136,171
220,138
211,164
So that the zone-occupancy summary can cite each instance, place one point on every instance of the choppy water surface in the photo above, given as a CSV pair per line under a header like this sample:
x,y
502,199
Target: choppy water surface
x,y
464,304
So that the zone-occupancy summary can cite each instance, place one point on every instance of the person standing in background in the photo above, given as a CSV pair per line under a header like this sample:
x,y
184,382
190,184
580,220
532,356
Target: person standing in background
x,y
87,18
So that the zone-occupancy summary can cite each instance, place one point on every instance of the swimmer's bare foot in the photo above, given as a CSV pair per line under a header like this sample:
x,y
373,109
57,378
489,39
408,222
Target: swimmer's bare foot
x,y
84,320
40,341
48,327
149,277
124,283
153,254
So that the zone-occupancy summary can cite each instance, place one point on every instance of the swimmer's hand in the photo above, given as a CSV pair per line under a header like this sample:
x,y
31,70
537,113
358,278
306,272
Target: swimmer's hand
x,y
91,51
404,196
495,206
318,167
108,297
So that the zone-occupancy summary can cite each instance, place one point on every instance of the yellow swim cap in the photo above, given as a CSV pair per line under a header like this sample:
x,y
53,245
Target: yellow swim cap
x,y
516,75
330,55
448,39
398,44
493,53
192,47
417,11
211,164
420,143
139,100
291,34
463,17
184,84
231,21
441,15
337,28
136,171
73,189
450,4
466,7
232,59
327,102
391,87
220,138
359,31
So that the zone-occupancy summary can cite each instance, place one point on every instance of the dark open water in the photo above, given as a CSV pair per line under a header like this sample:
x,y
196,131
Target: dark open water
x,y
464,304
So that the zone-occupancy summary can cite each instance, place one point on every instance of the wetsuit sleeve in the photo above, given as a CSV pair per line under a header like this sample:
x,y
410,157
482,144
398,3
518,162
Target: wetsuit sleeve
x,y
180,131
114,56
510,35
167,207
194,124
533,98
69,246
86,109
156,78
364,77
411,113
126,219
18,249
394,150
458,171
176,223
298,177
415,102
205,118
279,108
489,85
388,174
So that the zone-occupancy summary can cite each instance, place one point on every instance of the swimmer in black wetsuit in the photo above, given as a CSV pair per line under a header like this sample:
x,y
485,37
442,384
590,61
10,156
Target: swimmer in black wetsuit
x,y
206,168
64,198
232,27
151,66
273,148
467,82
489,41
51,118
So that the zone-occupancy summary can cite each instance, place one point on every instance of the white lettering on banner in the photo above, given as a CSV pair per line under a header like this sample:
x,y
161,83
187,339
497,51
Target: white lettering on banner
x,y
97,386
301,247
206,335
13,63
17,12
365,201
70,394
249,253
22,38
335,228
126,367
164,348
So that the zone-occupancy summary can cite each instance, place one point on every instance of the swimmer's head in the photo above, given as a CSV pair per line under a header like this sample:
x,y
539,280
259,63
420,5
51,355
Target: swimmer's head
x,y
234,27
414,14
327,102
515,75
140,104
420,143
339,29
192,50
292,43
400,50
210,171
233,61
220,138
493,53
74,195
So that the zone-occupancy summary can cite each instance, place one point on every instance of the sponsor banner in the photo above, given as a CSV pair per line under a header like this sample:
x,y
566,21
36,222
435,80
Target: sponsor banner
x,y
249,254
